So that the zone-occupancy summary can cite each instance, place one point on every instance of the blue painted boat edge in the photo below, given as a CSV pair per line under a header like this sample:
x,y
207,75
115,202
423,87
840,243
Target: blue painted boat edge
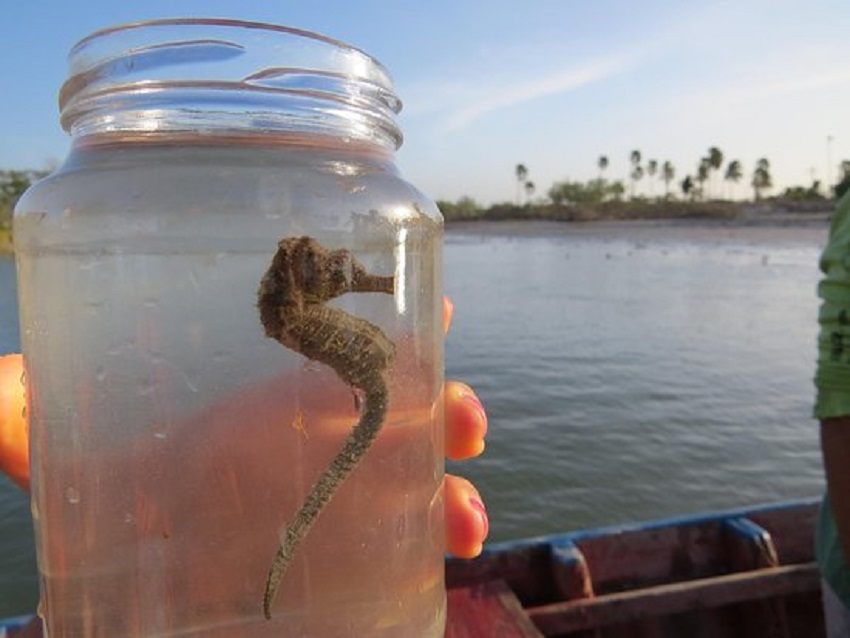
x,y
567,539
13,623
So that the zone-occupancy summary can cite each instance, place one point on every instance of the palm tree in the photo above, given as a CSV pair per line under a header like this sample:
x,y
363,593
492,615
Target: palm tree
x,y
687,186
521,173
734,172
636,175
715,159
703,171
667,174
602,163
651,170
529,191
637,169
761,178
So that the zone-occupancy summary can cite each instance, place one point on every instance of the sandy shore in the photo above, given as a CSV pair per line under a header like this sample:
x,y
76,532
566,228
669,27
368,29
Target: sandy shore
x,y
784,228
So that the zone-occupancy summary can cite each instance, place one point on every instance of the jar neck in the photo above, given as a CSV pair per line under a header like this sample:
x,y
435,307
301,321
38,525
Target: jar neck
x,y
324,153
213,79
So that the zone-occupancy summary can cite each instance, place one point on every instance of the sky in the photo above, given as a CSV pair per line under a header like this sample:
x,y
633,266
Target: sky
x,y
550,84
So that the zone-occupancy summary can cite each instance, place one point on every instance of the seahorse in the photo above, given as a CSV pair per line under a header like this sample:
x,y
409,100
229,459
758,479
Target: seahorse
x,y
303,276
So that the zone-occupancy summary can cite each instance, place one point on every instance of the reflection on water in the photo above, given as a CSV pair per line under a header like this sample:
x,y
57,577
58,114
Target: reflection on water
x,y
18,582
9,340
635,377
628,374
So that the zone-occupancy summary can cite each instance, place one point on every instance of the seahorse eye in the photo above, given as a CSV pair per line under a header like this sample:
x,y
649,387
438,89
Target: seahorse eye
x,y
339,271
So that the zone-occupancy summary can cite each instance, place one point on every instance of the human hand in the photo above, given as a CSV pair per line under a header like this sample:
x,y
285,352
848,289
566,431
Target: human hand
x,y
466,521
466,427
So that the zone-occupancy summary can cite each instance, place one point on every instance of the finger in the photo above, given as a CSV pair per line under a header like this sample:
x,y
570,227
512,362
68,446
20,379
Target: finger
x,y
448,311
466,422
14,428
466,518
32,629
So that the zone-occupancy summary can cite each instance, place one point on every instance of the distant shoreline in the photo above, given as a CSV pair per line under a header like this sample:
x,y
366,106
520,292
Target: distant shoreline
x,y
764,221
785,228
641,209
765,218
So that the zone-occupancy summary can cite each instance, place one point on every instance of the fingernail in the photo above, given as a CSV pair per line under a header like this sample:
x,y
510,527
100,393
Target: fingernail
x,y
478,506
448,311
479,410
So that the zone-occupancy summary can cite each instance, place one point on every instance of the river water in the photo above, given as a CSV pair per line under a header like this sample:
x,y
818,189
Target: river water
x,y
630,371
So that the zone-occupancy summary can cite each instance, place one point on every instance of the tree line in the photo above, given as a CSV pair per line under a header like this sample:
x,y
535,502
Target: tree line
x,y
701,184
699,187
696,186
13,183
714,181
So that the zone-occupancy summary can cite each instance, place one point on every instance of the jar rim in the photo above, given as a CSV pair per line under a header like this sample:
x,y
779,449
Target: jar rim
x,y
307,78
221,22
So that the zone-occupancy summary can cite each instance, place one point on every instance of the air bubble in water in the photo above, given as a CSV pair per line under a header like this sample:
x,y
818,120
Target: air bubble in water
x,y
160,431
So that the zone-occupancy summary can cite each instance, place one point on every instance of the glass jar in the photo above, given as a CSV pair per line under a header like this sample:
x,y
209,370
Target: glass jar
x,y
224,281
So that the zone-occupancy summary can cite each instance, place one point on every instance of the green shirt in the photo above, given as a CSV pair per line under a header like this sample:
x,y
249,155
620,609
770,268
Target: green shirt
x,y
833,379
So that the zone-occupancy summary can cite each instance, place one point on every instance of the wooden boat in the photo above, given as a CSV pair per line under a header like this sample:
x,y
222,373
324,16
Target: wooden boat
x,y
745,572
738,573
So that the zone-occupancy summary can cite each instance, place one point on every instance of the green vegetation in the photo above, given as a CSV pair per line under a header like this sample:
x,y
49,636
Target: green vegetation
x,y
843,184
699,195
5,242
711,191
12,185
467,209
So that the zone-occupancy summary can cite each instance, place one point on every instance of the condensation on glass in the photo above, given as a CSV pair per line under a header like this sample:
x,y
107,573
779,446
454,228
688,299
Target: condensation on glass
x,y
173,440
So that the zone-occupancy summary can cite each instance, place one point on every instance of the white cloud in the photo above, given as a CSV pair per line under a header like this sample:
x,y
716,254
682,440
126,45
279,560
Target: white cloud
x,y
459,104
512,93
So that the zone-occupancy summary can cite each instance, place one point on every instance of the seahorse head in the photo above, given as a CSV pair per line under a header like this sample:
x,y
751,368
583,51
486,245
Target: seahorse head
x,y
318,273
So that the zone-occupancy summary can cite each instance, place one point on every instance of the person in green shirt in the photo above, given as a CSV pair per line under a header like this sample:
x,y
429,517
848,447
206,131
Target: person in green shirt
x,y
832,408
